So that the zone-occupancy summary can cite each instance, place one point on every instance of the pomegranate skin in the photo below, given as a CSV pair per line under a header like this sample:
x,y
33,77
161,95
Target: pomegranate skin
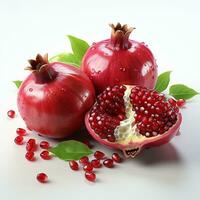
x,y
56,108
108,64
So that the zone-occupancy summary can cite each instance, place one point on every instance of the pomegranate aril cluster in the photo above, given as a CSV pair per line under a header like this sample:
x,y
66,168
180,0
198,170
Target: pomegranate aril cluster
x,y
154,114
90,166
111,100
108,111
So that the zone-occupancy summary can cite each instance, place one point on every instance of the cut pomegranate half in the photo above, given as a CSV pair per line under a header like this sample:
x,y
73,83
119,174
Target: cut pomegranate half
x,y
132,118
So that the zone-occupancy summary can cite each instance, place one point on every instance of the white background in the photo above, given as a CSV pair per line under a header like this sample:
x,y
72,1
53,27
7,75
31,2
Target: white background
x,y
170,28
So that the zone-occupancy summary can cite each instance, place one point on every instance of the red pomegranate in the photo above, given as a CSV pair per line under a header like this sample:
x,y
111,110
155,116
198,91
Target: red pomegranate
x,y
132,118
54,98
119,60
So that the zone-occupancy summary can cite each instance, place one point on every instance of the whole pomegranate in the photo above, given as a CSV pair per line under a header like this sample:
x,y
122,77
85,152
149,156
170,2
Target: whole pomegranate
x,y
54,98
132,118
119,60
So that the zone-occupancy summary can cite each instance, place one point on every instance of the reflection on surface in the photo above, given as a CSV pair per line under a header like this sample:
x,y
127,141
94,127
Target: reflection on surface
x,y
159,155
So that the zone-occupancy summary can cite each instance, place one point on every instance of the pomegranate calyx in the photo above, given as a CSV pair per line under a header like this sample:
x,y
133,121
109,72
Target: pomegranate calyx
x,y
39,62
41,69
120,35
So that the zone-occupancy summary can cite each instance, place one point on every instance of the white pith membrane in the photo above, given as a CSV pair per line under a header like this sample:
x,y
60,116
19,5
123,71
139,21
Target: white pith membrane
x,y
127,130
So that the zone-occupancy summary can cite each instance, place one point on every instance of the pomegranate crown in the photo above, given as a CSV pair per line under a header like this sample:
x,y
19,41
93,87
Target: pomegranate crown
x,y
41,69
38,63
120,35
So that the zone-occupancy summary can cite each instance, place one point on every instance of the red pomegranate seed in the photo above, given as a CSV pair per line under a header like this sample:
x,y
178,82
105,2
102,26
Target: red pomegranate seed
x,y
108,163
31,145
44,145
99,155
45,155
90,176
88,167
11,113
73,165
116,158
30,156
172,102
21,131
19,140
96,163
42,177
180,103
84,160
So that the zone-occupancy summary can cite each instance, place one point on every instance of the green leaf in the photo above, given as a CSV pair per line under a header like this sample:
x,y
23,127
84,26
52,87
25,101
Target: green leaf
x,y
163,81
17,83
68,58
70,150
180,91
79,47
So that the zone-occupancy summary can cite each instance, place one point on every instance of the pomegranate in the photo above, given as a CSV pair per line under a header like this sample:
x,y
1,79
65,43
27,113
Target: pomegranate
x,y
119,60
54,98
132,118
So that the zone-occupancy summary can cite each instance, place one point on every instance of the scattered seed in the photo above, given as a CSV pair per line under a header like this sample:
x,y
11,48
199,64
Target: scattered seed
x,y
73,165
11,113
99,155
90,176
30,156
45,155
42,178
116,158
19,140
108,163
21,131
44,145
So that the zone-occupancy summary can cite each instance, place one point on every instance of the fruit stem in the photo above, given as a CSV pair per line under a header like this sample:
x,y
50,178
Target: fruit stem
x,y
41,69
120,36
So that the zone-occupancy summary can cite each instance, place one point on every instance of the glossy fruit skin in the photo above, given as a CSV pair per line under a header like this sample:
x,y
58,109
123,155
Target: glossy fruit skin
x,y
56,109
108,66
